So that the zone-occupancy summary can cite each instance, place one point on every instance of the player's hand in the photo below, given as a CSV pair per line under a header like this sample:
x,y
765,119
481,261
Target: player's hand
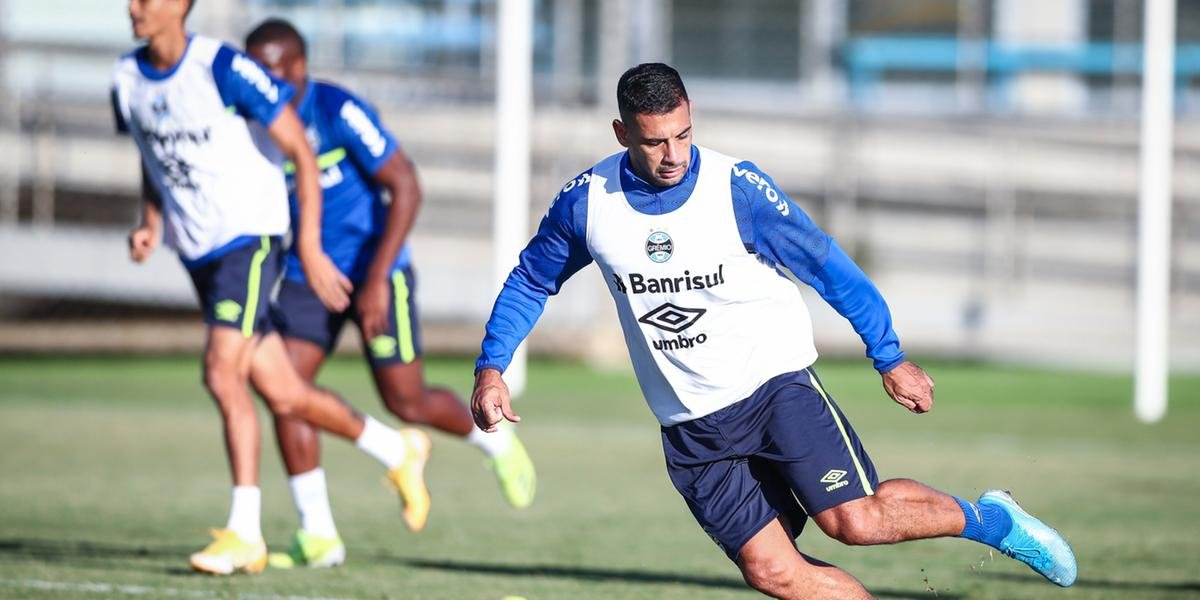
x,y
142,242
490,401
327,282
910,387
373,305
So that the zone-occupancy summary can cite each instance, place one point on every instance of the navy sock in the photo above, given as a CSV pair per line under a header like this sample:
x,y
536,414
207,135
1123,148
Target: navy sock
x,y
986,524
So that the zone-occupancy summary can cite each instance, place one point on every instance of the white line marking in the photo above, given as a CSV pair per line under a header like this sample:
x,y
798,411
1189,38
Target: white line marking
x,y
91,587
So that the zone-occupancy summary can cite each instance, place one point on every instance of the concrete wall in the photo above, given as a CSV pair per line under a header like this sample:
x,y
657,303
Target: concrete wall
x,y
1003,240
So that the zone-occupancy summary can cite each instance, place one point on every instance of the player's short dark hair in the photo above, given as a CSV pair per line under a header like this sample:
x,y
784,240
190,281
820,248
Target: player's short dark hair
x,y
191,4
276,30
650,89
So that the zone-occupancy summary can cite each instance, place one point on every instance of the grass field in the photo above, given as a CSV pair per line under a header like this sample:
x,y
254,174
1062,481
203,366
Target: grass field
x,y
111,470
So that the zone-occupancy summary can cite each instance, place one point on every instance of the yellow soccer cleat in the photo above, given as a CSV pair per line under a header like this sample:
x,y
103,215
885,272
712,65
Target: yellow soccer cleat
x,y
310,550
229,553
514,470
409,479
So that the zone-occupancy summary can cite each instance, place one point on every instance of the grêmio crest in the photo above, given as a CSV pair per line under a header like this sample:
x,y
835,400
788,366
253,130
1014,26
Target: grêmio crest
x,y
659,247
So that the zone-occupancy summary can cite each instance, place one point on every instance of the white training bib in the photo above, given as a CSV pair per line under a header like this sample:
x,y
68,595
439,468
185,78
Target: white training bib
x,y
215,183
706,321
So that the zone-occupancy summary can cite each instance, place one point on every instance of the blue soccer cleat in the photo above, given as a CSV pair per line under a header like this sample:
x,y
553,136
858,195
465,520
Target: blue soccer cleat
x,y
1033,542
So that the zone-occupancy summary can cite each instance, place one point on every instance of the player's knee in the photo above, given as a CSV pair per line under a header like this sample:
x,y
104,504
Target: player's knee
x,y
409,408
769,574
283,406
221,377
857,526
285,398
856,534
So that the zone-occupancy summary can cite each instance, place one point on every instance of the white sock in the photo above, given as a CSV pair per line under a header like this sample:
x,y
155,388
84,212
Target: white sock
x,y
312,502
383,443
245,513
492,444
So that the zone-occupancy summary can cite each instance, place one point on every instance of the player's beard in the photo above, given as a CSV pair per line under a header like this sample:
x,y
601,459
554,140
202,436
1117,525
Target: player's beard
x,y
678,172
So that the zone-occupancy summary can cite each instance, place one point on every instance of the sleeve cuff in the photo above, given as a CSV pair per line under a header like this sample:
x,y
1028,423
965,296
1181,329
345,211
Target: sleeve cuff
x,y
382,160
286,92
884,367
269,117
479,366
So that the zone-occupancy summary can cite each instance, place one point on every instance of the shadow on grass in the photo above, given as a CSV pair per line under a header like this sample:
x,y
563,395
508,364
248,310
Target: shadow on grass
x,y
1104,584
131,557
136,558
74,550
611,575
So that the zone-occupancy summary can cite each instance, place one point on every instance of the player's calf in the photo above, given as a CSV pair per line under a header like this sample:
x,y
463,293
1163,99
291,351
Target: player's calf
x,y
770,563
404,393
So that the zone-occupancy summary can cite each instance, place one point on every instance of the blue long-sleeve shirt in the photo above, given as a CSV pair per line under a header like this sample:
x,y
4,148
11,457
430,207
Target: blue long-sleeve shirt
x,y
770,224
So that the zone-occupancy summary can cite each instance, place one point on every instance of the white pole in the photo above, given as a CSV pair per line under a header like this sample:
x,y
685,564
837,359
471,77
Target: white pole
x,y
1154,207
514,108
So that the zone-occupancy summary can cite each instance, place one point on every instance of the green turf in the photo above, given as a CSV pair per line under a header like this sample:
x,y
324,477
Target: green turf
x,y
111,470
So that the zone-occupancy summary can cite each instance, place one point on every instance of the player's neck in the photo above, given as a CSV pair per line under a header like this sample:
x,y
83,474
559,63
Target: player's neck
x,y
166,49
301,90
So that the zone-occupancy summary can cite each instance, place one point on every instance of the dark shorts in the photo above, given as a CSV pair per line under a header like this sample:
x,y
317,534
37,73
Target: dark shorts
x,y
234,289
786,450
298,313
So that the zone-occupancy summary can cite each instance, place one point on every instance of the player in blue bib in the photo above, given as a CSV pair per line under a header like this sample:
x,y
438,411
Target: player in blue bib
x,y
362,167
693,246
197,110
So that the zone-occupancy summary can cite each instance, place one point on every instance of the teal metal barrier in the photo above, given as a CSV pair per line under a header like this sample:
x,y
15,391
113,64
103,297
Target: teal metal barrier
x,y
867,59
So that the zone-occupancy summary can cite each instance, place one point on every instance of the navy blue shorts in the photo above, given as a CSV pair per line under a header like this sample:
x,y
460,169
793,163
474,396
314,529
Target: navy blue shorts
x,y
234,289
787,450
298,313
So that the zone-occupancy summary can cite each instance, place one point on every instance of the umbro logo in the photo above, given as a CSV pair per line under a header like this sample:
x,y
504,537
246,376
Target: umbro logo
x,y
833,476
836,478
674,319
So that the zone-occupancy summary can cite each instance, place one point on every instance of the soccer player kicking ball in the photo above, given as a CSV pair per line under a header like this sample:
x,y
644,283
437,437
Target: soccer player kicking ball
x,y
691,244
365,237
221,204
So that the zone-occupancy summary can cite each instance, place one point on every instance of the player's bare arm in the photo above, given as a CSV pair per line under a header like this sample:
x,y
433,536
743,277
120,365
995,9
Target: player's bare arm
x,y
490,401
330,285
910,386
399,178
144,238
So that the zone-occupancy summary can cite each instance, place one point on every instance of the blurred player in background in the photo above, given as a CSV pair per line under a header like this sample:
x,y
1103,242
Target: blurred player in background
x,y
360,163
691,244
187,101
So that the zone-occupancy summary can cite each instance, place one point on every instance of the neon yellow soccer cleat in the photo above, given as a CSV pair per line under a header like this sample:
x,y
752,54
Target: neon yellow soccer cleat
x,y
310,550
514,470
409,479
229,553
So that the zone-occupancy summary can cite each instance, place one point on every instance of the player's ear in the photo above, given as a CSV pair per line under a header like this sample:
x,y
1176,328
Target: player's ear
x,y
621,132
